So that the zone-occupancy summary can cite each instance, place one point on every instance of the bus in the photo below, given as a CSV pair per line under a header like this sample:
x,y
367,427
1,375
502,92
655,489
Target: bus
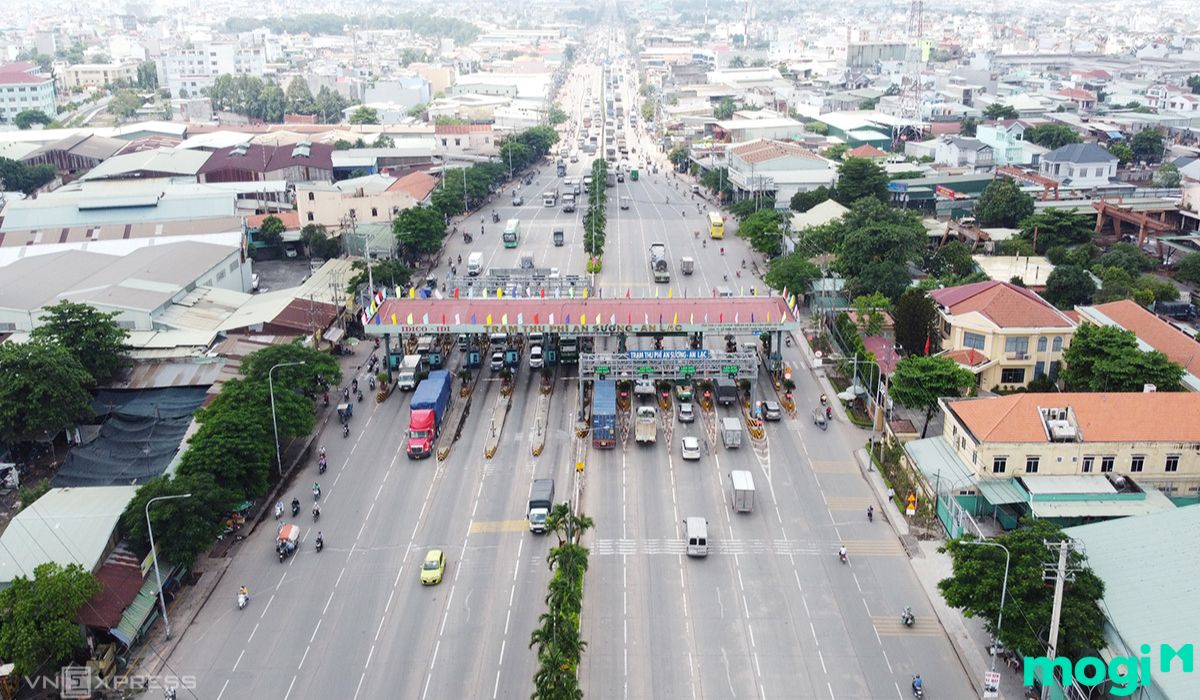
x,y
716,225
512,233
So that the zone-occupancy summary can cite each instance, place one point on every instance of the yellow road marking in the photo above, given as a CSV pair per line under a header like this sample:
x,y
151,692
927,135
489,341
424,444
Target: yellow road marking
x,y
499,526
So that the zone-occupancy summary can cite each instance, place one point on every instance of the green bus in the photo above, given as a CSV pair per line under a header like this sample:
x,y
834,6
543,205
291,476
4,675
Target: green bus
x,y
512,233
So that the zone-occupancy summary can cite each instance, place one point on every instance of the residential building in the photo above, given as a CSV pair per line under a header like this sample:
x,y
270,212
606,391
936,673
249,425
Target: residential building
x,y
869,152
1186,103
86,75
1007,140
22,88
1080,166
1082,100
1006,335
963,152
187,71
779,167
367,199
300,162
742,130
1153,333
459,139
1151,437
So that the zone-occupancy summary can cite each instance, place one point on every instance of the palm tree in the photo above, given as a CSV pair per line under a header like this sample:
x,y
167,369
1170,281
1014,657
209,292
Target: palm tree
x,y
555,679
565,594
737,62
557,521
568,558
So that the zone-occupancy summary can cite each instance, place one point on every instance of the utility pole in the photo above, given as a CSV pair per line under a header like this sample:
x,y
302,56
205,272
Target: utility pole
x,y
1061,575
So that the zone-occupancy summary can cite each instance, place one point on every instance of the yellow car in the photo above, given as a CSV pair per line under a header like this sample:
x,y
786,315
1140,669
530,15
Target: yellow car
x,y
433,568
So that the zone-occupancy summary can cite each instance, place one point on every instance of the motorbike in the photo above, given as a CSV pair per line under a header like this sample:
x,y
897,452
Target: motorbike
x,y
918,688
295,506
787,339
824,399
242,600
870,514
345,431
842,555
327,398
907,617
829,413
279,510
371,383
322,466
320,544
316,513
360,397
316,493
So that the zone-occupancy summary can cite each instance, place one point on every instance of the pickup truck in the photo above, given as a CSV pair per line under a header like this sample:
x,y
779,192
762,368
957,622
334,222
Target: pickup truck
x,y
645,425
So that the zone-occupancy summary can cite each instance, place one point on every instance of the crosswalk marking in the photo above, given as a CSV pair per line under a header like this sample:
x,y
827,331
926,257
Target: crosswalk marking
x,y
481,526
891,626
672,546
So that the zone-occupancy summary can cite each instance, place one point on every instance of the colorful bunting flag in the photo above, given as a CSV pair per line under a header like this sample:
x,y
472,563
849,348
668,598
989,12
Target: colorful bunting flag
x,y
425,319
488,322
675,321
520,319
409,322
583,319
393,319
504,320
670,292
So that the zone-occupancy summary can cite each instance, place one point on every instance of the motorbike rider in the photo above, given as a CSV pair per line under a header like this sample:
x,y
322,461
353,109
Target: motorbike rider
x,y
722,250
842,553
907,615
316,510
916,683
278,509
295,505
245,592
704,243
345,431
870,513
316,490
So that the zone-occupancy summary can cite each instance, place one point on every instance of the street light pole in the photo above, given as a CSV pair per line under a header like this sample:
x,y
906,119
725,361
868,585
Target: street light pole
x,y
1003,589
274,424
154,554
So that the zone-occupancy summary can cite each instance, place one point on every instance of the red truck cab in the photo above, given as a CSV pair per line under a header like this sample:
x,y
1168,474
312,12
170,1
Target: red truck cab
x,y
421,431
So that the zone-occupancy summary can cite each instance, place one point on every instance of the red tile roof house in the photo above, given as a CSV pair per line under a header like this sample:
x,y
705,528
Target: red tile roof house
x,y
1005,334
299,162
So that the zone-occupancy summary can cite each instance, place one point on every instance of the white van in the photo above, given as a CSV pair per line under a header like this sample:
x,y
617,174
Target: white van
x,y
697,536
474,264
498,341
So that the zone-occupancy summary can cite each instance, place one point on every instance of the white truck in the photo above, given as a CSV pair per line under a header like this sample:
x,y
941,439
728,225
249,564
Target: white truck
x,y
408,375
687,265
645,426
743,490
731,433
474,264
658,262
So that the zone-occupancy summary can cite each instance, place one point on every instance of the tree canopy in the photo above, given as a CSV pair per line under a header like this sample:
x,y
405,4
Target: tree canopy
x,y
420,230
1052,136
978,575
762,229
28,117
43,387
18,176
859,178
916,322
1003,204
1189,269
1069,285
270,231
39,627
1107,358
1056,227
794,272
919,381
364,115
91,336
1147,145
997,110
803,201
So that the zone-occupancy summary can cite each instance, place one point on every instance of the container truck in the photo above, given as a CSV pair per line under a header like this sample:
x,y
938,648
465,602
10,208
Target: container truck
x,y
731,433
743,490
426,411
646,425
604,413
541,501
658,262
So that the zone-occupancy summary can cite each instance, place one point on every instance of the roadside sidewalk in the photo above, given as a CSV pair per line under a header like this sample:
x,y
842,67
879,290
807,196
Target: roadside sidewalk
x,y
968,636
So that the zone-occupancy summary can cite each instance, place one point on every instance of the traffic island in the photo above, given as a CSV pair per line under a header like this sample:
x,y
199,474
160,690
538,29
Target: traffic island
x,y
539,426
496,423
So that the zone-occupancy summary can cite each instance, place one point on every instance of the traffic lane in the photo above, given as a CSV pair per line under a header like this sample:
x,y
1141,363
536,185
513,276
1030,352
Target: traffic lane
x,y
657,608
605,612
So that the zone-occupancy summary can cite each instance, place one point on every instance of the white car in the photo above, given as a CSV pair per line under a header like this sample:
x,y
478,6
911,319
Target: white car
x,y
690,447
535,357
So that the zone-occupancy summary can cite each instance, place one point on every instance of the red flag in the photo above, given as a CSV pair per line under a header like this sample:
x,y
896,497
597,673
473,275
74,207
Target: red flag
x,y
543,291
721,317
456,293
535,319
926,344
971,361
627,293
443,319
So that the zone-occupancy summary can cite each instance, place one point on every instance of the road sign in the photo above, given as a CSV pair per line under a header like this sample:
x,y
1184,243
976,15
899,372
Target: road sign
x,y
687,369
645,370
667,354
602,370
991,684
729,369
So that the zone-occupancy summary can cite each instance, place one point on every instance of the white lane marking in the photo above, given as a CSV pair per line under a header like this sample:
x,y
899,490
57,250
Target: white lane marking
x,y
238,662
314,634
821,657
303,657
288,694
888,661
223,687
251,637
327,602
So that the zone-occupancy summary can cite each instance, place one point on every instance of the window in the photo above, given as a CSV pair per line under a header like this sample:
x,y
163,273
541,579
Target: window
x,y
1041,344
457,142
374,211
1172,463
233,265
999,464
312,196
220,275
1031,464
1137,463
1012,375
1087,464
1057,345
973,340
310,216
1106,464
1039,369
1016,344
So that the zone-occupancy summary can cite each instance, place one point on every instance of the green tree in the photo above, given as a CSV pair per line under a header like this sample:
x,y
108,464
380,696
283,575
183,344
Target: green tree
x,y
858,178
725,108
762,229
1167,176
124,104
273,104
296,378
147,75
300,98
1003,204
803,201
819,128
1068,286
420,231
969,127
45,388
919,381
28,117
1159,289
183,527
329,105
1189,269
955,258
794,272
1123,153
250,401
389,271
1052,136
270,231
1107,358
869,310
556,115
997,110
717,182
91,336
874,242
1115,283
1128,257
647,111
418,110
39,627
20,177
1056,227
364,115
916,321
978,576
1193,83
1083,255
1147,146
885,277
679,156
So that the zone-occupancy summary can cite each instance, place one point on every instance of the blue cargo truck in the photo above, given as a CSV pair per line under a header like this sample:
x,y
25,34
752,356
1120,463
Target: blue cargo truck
x,y
604,414
427,409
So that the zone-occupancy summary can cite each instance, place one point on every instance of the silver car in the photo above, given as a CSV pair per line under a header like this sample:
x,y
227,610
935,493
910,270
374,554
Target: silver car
x,y
690,447
687,414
